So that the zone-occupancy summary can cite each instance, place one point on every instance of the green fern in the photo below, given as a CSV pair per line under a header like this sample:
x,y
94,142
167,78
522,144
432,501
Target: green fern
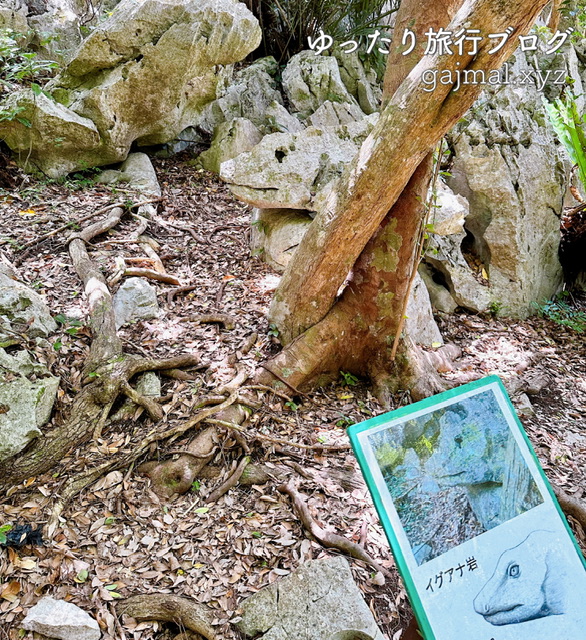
x,y
569,127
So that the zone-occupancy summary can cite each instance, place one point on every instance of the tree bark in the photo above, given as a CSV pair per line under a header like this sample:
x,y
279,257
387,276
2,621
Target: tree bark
x,y
409,127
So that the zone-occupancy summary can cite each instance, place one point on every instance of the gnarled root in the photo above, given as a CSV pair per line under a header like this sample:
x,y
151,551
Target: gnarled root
x,y
184,612
176,476
327,538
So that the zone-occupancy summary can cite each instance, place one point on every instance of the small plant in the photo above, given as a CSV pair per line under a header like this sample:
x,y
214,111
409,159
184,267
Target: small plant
x,y
495,307
349,379
273,331
195,485
292,405
4,529
344,421
19,67
563,314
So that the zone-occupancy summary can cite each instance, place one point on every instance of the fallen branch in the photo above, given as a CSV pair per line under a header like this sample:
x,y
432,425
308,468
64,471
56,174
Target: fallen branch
x,y
229,483
327,538
184,612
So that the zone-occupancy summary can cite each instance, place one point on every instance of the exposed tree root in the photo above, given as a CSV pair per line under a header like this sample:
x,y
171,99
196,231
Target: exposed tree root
x,y
185,289
176,476
327,538
229,322
572,506
230,482
152,274
106,373
184,612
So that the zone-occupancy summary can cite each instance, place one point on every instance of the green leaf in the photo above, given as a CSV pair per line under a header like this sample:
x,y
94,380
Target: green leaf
x,y
36,89
202,510
82,576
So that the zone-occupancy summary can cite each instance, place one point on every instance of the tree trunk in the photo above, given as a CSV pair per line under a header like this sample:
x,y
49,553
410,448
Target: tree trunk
x,y
410,126
356,333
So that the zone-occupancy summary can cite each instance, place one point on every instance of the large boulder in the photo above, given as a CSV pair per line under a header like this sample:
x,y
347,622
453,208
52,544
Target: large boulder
x,y
141,77
288,171
508,166
276,234
27,394
319,601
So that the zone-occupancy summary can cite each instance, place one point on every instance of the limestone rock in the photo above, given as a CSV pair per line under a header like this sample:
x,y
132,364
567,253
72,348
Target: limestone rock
x,y
141,77
60,619
139,172
230,140
288,171
333,114
26,404
13,16
439,295
55,136
57,27
508,166
449,211
362,85
276,234
310,80
279,120
444,255
420,325
248,95
135,300
319,601
21,308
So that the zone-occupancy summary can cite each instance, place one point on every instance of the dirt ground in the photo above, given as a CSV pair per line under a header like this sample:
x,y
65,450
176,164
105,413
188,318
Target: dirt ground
x,y
117,538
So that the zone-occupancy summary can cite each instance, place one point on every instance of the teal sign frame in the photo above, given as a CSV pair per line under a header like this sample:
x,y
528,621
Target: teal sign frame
x,y
478,536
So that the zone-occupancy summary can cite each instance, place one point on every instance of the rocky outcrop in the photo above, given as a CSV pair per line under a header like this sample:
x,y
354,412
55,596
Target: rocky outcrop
x,y
310,80
288,171
361,84
27,394
318,601
140,77
248,94
508,166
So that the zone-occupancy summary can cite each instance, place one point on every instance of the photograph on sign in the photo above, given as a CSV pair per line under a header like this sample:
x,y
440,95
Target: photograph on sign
x,y
471,519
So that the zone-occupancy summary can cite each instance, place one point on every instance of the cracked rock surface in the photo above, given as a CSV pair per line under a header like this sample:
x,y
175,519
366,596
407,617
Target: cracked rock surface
x,y
318,601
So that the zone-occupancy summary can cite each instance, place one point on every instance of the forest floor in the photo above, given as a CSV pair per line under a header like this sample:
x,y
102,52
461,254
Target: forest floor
x,y
117,538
